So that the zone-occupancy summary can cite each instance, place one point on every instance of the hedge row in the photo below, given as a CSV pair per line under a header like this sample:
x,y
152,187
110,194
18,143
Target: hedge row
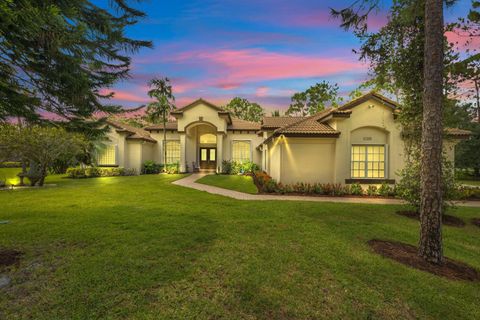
x,y
10,164
237,167
268,185
92,172
152,167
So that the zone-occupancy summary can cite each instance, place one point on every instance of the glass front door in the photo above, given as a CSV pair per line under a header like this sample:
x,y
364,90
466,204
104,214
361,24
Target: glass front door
x,y
208,158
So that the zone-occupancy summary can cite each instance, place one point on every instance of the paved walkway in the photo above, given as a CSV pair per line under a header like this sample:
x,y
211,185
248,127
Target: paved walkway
x,y
189,182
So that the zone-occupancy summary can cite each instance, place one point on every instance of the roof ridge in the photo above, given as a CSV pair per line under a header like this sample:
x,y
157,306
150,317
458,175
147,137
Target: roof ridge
x,y
370,93
302,120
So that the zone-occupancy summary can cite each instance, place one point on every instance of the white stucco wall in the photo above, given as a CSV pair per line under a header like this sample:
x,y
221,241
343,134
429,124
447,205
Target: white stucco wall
x,y
370,123
251,136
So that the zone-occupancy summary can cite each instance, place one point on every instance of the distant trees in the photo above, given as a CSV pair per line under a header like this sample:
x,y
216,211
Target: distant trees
x,y
245,110
314,99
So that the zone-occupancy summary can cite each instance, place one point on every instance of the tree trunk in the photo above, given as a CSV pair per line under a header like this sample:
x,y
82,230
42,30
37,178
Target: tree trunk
x,y
43,173
477,95
431,202
164,142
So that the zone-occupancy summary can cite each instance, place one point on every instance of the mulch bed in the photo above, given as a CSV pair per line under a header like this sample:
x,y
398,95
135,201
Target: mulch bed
x,y
446,219
476,221
408,255
9,257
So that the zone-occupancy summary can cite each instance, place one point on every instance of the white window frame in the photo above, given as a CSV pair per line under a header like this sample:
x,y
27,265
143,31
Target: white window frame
x,y
115,150
165,146
241,140
385,157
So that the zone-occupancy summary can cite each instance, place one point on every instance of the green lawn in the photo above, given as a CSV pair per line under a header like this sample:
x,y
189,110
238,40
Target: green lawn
x,y
141,248
238,183
10,176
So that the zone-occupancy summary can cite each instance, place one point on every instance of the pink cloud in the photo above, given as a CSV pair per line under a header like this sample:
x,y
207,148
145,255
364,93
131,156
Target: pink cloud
x,y
249,65
124,95
462,40
261,91
228,86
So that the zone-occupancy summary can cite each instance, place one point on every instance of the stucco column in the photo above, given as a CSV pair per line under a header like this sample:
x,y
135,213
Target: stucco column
x,y
182,152
219,152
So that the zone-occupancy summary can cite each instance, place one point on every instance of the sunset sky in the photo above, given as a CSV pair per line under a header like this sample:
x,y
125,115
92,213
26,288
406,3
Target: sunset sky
x,y
260,50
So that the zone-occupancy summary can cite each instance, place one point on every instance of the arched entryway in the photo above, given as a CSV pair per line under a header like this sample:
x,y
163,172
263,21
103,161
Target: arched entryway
x,y
202,146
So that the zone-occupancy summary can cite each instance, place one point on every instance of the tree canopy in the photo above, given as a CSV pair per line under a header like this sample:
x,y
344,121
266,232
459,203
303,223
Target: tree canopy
x,y
57,56
245,110
314,99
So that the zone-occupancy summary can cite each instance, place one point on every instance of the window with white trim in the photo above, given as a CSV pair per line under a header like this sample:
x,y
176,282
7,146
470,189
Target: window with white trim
x,y
368,161
108,156
241,151
173,151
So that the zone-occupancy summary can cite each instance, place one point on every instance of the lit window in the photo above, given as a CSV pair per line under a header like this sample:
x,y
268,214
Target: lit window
x,y
241,151
368,161
208,138
173,152
107,157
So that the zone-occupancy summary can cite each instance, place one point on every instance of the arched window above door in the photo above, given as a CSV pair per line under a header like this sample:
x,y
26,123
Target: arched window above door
x,y
208,138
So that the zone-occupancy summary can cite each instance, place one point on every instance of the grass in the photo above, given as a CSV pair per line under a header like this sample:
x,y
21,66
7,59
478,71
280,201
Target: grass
x,y
10,176
233,182
142,248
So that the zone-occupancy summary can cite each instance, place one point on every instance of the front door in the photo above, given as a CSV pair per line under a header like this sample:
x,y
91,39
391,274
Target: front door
x,y
208,158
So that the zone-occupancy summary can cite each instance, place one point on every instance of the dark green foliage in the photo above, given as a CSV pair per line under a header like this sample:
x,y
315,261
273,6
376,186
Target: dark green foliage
x,y
356,189
385,190
57,56
243,109
151,167
235,167
467,152
41,147
93,172
372,190
10,164
314,99
468,193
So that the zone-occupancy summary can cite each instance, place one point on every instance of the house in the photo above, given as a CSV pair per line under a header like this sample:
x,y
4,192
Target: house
x,y
357,142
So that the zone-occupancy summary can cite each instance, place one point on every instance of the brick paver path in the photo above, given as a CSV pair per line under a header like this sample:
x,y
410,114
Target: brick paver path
x,y
189,182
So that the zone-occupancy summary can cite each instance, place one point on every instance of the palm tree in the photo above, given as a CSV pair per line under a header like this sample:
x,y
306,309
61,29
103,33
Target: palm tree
x,y
159,110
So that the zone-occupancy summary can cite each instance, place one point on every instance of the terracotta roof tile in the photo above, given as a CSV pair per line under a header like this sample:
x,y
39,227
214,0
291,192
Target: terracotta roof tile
x,y
310,125
133,132
170,125
278,122
238,124
458,132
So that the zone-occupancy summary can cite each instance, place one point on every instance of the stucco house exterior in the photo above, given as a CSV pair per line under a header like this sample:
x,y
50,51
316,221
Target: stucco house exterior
x,y
357,142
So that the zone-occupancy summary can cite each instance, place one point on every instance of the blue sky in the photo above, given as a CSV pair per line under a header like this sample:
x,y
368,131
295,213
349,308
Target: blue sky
x,y
260,50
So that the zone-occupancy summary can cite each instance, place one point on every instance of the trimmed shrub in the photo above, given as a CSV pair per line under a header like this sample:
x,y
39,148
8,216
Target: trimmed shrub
x,y
261,178
372,191
172,168
10,164
271,186
235,167
385,190
356,189
92,172
76,173
151,167
468,193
